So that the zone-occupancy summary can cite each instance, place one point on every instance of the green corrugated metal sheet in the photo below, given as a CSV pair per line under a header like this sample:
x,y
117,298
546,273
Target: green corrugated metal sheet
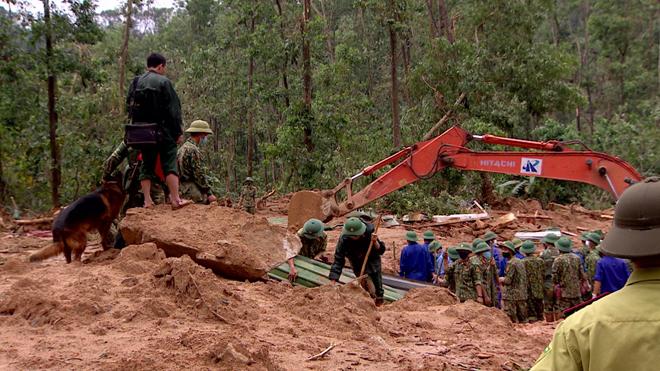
x,y
313,273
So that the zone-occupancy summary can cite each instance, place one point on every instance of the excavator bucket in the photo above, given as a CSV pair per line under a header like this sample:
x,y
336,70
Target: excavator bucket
x,y
303,206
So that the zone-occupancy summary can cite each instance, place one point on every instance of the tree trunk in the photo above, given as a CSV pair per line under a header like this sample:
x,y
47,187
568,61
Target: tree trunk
x,y
444,21
285,64
396,127
307,77
124,53
250,113
585,63
433,21
487,194
55,169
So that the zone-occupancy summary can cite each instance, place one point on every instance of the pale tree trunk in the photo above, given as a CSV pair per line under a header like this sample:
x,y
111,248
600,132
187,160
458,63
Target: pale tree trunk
x,y
285,64
55,169
396,126
124,52
307,76
250,113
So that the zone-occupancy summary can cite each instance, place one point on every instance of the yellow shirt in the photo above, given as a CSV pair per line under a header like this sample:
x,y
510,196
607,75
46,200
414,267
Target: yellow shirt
x,y
618,332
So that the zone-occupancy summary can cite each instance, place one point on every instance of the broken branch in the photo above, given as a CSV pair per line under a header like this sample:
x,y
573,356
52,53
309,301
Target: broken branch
x,y
322,354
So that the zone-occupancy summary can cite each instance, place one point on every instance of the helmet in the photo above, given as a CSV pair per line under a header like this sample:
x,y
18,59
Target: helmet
x,y
480,247
435,246
199,126
517,242
313,228
593,237
250,180
411,236
353,227
551,238
564,244
527,247
509,245
453,254
428,235
476,242
489,236
583,236
464,246
636,229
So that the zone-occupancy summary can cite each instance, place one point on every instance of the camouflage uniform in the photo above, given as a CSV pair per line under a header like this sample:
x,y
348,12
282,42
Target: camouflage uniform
x,y
486,271
311,247
591,261
464,280
548,255
248,198
535,267
515,290
194,184
566,273
450,276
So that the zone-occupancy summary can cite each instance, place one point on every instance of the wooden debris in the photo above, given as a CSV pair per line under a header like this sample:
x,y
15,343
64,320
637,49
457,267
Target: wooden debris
x,y
569,233
606,216
502,220
458,218
33,221
322,354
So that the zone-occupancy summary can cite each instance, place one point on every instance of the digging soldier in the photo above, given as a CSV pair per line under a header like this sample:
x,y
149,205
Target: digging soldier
x,y
314,241
534,267
482,262
353,243
566,276
194,175
248,196
515,285
548,255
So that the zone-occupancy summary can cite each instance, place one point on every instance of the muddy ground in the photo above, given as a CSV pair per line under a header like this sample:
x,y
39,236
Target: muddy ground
x,y
137,309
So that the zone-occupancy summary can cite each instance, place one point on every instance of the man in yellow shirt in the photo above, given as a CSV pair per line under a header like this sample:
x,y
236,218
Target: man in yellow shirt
x,y
622,330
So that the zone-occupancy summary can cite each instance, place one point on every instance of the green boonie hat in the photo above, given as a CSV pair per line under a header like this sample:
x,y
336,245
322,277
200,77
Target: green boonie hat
x,y
527,247
435,246
428,235
489,236
564,244
476,242
453,254
635,231
481,247
199,126
411,236
464,246
353,227
313,228
517,242
551,238
509,245
593,237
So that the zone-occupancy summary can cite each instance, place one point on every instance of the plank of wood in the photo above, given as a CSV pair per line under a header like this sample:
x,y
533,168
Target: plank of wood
x,y
33,221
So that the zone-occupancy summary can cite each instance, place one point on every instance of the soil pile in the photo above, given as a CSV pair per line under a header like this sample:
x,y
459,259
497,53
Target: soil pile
x,y
231,242
422,298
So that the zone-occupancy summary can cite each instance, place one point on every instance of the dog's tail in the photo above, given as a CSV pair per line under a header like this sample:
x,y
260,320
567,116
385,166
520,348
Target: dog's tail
x,y
49,251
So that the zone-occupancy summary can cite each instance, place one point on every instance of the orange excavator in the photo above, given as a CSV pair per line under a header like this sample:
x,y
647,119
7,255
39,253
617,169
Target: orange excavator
x,y
551,159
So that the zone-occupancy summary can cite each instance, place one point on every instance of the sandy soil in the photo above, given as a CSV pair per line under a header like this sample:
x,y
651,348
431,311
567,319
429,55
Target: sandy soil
x,y
136,309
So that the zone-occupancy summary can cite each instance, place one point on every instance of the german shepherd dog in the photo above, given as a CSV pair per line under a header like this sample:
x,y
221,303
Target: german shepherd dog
x,y
94,211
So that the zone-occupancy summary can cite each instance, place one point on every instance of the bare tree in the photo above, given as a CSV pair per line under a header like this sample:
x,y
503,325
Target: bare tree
x,y
123,55
55,169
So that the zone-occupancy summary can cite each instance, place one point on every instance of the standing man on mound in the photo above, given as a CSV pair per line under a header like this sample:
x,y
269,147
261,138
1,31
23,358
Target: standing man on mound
x,y
353,244
152,99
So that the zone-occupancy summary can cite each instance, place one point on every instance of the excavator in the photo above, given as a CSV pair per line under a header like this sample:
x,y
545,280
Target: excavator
x,y
551,159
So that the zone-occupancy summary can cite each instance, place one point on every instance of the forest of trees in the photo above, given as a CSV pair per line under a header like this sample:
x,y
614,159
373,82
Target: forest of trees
x,y
302,93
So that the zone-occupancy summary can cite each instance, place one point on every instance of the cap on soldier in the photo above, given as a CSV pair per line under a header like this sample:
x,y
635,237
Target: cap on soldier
x,y
593,237
635,231
435,246
509,245
411,236
353,227
527,247
199,126
313,228
489,236
480,247
453,254
464,246
517,242
476,242
428,235
551,238
583,236
564,244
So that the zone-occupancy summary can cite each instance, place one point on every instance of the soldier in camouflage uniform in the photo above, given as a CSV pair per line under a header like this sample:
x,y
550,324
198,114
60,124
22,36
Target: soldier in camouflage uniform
x,y
592,258
248,196
464,276
450,276
484,267
515,285
566,276
548,255
192,172
535,267
314,241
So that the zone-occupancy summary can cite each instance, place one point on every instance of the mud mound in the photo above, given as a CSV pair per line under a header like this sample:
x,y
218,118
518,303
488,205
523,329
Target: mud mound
x,y
139,259
345,307
25,300
422,298
231,242
199,290
15,265
487,319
